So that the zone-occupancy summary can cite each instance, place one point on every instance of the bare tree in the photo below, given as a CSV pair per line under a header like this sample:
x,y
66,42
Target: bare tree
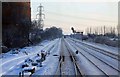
x,y
104,30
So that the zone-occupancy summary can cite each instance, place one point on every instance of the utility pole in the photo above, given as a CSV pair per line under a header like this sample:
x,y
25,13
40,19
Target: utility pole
x,y
40,17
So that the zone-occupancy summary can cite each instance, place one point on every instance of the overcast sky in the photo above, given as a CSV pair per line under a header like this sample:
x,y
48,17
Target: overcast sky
x,y
78,14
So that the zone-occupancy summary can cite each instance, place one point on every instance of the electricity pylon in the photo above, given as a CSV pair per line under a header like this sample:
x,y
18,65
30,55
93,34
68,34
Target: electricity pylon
x,y
40,15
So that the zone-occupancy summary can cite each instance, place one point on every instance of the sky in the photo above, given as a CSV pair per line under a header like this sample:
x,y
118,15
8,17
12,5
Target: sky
x,y
77,14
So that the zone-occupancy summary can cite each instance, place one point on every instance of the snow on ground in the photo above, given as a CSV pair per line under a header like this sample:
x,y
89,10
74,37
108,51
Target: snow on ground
x,y
51,63
11,63
87,67
16,59
101,46
85,63
105,58
29,50
67,67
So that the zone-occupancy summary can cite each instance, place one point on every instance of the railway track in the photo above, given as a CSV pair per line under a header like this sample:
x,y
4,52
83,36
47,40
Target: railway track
x,y
72,57
91,53
52,47
78,70
58,71
110,54
95,64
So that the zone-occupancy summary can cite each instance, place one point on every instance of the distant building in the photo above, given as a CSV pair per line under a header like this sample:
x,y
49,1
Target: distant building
x,y
16,21
77,35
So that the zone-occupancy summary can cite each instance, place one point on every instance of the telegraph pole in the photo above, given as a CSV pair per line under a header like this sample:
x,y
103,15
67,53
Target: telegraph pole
x,y
41,17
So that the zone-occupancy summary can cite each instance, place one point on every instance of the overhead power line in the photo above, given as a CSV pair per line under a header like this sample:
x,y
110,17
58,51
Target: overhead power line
x,y
78,17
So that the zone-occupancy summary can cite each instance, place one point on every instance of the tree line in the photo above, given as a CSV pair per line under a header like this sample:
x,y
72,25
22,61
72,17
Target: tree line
x,y
102,30
37,34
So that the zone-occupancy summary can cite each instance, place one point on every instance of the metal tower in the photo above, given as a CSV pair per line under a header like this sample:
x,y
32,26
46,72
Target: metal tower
x,y
41,17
